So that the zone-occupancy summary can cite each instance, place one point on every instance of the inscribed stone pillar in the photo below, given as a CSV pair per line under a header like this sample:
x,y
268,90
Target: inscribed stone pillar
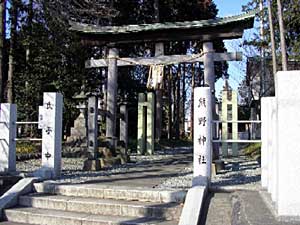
x,y
202,136
288,100
159,50
112,88
52,133
8,132
92,127
150,122
141,124
124,124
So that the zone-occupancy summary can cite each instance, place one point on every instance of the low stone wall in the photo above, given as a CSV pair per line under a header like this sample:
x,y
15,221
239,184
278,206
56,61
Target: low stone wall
x,y
280,144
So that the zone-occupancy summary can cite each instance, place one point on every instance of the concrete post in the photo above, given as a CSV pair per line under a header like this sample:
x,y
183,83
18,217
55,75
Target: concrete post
x,y
150,123
202,136
52,133
264,144
270,148
8,132
124,125
112,88
224,125
92,127
273,134
226,102
141,138
235,134
146,109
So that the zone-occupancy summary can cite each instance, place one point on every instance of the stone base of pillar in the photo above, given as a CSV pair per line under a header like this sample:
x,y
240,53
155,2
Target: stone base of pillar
x,y
220,165
92,165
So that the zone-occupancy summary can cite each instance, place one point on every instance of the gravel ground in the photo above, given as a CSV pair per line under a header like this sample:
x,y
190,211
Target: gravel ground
x,y
247,177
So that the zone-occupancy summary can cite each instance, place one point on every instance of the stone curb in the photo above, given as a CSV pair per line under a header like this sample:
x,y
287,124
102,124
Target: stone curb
x,y
10,198
193,204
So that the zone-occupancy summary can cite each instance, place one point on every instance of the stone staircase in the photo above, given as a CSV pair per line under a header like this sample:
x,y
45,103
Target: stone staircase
x,y
217,209
93,204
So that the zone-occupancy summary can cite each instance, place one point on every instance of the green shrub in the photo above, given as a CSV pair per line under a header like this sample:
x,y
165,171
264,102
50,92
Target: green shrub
x,y
26,148
253,150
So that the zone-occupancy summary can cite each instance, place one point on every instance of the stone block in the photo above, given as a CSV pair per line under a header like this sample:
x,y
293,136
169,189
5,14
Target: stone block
x,y
137,211
93,206
16,216
172,196
220,165
44,202
288,100
110,162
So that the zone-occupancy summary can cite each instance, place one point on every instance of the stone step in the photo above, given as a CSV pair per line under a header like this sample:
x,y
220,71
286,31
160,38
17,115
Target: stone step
x,y
168,211
13,223
217,209
113,192
57,217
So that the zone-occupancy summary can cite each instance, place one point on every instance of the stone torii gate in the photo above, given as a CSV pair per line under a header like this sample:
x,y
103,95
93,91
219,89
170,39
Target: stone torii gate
x,y
205,31
208,57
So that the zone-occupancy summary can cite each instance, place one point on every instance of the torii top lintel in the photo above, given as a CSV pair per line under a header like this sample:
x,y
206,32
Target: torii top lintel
x,y
204,30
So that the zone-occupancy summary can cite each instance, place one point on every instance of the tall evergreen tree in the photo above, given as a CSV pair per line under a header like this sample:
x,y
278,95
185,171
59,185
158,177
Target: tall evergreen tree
x,y
15,5
2,39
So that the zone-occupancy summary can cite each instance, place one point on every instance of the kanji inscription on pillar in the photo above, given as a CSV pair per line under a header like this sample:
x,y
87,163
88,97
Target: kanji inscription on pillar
x,y
202,135
51,124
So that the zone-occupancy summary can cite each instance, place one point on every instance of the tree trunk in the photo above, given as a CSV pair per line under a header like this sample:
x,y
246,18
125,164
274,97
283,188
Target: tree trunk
x,y
177,124
174,104
2,38
170,104
28,61
183,101
192,102
11,61
262,50
272,38
282,37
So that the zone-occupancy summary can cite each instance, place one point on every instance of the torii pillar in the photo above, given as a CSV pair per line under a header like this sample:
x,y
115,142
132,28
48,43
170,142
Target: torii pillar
x,y
112,89
159,51
209,79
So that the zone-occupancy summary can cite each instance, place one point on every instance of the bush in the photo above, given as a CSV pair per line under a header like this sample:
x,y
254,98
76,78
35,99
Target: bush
x,y
24,148
253,150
